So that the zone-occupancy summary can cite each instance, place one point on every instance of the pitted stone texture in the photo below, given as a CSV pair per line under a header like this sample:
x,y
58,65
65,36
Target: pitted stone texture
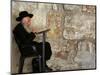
x,y
72,34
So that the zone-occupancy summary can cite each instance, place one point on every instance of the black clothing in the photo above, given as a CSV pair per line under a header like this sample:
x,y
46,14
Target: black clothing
x,y
25,40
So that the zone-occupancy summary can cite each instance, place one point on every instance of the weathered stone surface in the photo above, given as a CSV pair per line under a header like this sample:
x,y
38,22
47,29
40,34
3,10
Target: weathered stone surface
x,y
72,34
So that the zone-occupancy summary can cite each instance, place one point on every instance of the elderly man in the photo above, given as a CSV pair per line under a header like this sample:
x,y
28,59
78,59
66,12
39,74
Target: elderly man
x,y
26,37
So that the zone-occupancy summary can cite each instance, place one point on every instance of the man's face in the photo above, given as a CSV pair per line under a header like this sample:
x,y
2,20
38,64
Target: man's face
x,y
26,21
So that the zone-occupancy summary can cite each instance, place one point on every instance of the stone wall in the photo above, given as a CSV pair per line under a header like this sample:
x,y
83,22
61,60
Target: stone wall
x,y
71,35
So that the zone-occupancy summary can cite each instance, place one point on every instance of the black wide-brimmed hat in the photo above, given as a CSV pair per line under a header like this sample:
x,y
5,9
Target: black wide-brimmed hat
x,y
23,14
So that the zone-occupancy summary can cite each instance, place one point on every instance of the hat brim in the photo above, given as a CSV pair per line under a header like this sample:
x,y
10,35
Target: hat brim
x,y
20,18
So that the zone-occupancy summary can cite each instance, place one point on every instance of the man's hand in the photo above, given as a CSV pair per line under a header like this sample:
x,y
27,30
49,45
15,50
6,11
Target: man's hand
x,y
34,30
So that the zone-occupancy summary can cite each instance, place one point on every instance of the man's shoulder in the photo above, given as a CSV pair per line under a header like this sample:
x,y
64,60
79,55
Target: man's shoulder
x,y
18,27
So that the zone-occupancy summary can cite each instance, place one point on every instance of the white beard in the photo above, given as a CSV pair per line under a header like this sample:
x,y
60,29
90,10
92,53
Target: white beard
x,y
28,28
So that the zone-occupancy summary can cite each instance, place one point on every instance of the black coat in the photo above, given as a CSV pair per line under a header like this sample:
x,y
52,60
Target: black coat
x,y
25,42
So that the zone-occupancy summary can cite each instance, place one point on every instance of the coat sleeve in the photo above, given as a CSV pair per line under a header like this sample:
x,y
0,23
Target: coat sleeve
x,y
31,36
